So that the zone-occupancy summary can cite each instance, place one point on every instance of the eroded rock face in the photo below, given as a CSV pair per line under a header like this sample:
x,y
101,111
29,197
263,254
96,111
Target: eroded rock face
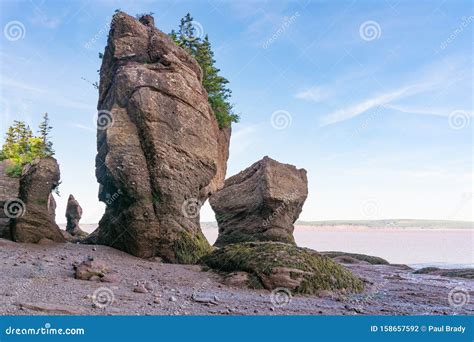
x,y
9,205
73,215
160,150
38,219
260,203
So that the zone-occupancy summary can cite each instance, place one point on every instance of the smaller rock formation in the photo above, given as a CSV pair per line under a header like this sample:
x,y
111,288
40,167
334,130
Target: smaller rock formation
x,y
345,257
37,182
275,265
73,215
260,203
467,273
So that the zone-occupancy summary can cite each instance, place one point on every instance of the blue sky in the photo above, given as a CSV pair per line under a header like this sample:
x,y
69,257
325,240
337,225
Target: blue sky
x,y
373,98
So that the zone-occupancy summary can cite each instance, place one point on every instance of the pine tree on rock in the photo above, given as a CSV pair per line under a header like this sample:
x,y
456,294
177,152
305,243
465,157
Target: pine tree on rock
x,y
215,84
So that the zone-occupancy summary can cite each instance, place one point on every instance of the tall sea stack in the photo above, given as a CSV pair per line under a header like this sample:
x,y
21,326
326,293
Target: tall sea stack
x,y
161,152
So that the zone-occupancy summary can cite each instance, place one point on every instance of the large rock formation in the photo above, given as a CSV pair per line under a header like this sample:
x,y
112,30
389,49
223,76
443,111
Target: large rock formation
x,y
38,218
73,215
160,150
260,203
10,207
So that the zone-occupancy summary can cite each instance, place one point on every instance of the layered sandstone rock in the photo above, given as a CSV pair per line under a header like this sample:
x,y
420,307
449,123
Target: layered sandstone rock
x,y
37,221
10,207
260,203
73,215
160,150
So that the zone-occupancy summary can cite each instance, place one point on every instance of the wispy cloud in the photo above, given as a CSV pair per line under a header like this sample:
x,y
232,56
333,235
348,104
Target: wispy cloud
x,y
84,127
40,18
314,94
425,110
377,100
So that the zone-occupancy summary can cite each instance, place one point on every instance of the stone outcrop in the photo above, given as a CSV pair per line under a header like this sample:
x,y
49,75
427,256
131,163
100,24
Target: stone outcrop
x,y
73,215
161,153
37,221
274,265
260,203
9,205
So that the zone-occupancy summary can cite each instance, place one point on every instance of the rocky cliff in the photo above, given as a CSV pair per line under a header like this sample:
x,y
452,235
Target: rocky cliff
x,y
161,153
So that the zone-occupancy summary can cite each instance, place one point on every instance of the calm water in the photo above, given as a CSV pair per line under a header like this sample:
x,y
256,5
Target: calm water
x,y
415,247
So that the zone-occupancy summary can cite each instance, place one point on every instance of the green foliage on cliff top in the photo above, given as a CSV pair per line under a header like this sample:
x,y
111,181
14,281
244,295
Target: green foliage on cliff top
x,y
22,147
216,86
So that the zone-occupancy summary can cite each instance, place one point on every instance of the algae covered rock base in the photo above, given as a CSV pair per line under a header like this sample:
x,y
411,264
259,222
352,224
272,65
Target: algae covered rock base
x,y
277,264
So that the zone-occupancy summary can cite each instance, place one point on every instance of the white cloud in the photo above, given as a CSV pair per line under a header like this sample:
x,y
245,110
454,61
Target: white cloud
x,y
86,128
378,100
314,94
42,19
425,110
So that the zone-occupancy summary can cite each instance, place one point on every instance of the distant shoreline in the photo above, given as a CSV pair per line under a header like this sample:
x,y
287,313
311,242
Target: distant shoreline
x,y
386,223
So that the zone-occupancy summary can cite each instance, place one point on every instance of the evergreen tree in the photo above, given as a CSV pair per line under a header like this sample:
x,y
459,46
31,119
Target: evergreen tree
x,y
216,85
44,133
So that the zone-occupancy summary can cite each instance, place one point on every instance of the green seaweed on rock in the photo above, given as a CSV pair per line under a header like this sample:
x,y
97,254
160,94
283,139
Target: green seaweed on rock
x,y
317,272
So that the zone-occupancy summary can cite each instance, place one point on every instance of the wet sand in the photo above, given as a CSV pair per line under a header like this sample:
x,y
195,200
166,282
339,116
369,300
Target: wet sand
x,y
39,280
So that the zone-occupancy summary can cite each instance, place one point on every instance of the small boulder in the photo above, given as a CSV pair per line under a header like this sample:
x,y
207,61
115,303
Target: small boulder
x,y
260,203
90,268
37,182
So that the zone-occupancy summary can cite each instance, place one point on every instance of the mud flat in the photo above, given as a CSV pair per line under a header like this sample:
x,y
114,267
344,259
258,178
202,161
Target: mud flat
x,y
39,280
